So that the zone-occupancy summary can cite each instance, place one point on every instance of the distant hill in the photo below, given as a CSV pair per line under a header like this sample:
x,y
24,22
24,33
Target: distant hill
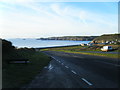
x,y
74,38
107,38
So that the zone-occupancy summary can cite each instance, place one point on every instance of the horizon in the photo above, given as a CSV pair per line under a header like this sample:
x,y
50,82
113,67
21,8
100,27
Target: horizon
x,y
54,36
57,19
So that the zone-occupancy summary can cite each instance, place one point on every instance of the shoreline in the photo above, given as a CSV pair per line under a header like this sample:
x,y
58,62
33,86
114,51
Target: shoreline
x,y
32,43
56,46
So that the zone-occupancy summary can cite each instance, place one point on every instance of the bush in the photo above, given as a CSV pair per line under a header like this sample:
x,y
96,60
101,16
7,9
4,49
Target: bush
x,y
9,52
7,46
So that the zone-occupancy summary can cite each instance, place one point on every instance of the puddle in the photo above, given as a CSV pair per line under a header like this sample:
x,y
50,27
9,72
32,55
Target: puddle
x,y
50,67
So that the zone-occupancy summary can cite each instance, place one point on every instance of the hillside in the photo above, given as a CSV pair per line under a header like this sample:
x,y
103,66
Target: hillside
x,y
107,38
75,38
15,72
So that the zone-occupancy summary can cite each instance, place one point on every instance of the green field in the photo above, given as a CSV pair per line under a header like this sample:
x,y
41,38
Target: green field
x,y
18,75
81,49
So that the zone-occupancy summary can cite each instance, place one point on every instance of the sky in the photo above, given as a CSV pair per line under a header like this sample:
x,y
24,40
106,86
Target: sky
x,y
35,19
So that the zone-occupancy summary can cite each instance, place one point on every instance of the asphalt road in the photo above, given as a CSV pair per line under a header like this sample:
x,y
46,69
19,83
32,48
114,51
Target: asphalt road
x,y
68,70
110,52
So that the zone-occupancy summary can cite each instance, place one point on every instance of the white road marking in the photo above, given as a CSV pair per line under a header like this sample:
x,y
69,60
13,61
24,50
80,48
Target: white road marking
x,y
73,72
66,66
53,57
51,67
86,81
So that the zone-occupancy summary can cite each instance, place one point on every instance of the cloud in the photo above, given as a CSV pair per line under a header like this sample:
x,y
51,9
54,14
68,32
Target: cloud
x,y
83,16
51,19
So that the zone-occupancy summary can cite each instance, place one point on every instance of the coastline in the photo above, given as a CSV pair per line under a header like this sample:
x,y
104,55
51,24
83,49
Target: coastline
x,y
32,43
56,46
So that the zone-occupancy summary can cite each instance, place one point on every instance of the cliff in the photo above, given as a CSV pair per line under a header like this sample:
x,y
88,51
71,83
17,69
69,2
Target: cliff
x,y
74,38
107,38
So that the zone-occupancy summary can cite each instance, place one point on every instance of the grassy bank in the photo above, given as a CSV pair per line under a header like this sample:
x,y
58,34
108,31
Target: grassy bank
x,y
81,49
96,54
18,75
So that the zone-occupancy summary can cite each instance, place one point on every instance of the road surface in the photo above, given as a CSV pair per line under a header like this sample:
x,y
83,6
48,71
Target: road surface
x,y
68,70
110,52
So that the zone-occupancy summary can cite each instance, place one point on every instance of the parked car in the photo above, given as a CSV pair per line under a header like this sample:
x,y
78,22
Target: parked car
x,y
106,48
83,44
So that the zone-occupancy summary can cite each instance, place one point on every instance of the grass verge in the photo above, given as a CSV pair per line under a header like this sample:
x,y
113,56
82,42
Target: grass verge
x,y
96,54
81,49
18,75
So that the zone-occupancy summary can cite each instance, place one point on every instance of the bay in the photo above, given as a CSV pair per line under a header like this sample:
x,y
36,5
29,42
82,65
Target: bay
x,y
33,43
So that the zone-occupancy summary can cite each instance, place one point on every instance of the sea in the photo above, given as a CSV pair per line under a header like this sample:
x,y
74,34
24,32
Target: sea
x,y
34,43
